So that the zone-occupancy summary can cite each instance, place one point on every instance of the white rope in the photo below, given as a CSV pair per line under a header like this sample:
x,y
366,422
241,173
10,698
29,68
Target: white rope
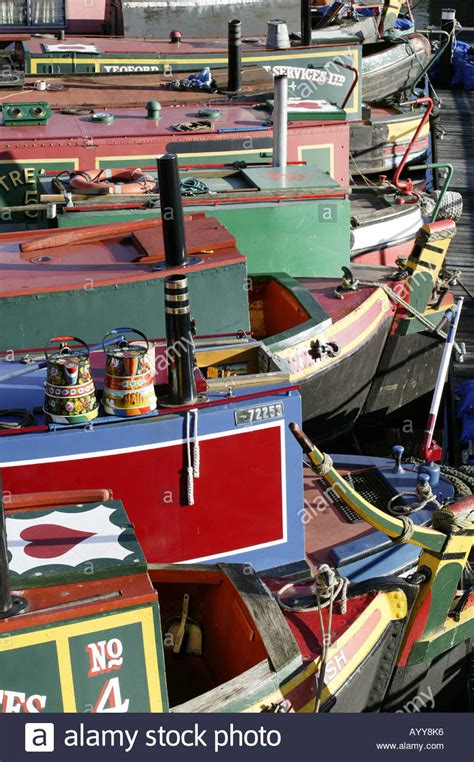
x,y
423,492
193,462
327,585
189,467
196,448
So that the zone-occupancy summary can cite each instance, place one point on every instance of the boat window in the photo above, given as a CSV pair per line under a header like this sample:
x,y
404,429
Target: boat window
x,y
33,13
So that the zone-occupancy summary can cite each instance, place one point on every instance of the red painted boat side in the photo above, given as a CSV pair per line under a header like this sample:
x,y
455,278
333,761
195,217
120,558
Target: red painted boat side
x,y
385,255
149,481
73,142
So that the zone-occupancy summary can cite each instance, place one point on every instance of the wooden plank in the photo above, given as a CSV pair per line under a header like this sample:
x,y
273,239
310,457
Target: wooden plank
x,y
277,637
456,148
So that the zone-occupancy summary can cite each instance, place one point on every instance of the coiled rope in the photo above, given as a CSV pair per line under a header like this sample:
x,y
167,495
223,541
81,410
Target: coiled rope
x,y
26,419
191,186
327,585
423,492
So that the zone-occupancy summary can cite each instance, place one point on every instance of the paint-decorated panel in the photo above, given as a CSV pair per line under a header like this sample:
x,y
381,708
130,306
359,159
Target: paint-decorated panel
x,y
326,74
105,663
115,668
71,544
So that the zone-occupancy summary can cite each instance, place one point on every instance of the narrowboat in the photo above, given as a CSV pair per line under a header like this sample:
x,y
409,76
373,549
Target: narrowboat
x,y
177,638
327,65
300,326
383,228
291,209
315,329
121,137
437,646
393,68
379,142
319,643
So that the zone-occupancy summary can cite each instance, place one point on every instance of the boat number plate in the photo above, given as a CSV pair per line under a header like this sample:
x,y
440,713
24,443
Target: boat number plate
x,y
260,413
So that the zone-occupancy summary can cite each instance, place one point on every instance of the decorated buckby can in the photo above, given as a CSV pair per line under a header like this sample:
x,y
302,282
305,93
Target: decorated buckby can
x,y
129,376
69,387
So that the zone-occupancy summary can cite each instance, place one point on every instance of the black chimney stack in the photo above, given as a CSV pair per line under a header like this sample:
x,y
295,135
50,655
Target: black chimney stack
x,y
306,28
180,342
171,210
234,84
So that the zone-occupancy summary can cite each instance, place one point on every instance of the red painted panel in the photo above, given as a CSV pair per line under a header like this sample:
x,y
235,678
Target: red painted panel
x,y
238,497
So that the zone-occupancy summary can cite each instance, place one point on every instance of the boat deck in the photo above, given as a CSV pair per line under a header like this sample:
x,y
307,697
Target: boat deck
x,y
456,148
112,91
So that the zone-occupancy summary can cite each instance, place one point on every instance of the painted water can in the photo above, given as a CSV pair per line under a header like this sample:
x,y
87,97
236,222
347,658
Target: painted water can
x,y
129,375
69,387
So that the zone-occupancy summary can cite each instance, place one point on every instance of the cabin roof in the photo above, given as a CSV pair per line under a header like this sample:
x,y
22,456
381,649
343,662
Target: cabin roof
x,y
153,45
119,90
108,261
133,122
251,183
239,118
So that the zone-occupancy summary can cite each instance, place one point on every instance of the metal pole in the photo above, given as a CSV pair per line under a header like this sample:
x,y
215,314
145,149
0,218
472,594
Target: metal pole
x,y
448,24
429,450
174,236
306,28
180,342
234,84
280,122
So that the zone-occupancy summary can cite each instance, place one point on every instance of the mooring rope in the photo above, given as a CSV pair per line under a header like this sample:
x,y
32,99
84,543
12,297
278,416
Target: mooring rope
x,y
423,492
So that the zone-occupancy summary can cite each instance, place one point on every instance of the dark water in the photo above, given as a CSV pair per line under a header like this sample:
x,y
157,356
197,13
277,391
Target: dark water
x,y
429,11
203,20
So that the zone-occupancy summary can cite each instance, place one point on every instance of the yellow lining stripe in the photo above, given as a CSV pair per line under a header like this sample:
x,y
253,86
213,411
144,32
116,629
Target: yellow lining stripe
x,y
61,635
24,163
392,605
151,662
65,674
300,152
